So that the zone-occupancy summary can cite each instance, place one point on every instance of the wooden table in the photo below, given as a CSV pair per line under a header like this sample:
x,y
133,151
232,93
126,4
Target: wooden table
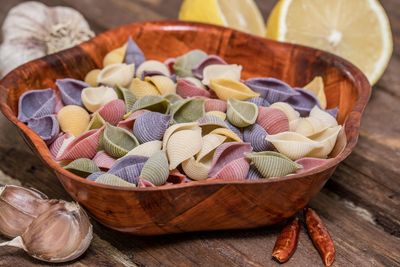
x,y
360,204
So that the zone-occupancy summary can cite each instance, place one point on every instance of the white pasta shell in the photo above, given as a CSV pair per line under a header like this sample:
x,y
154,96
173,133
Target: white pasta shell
x,y
163,84
94,98
340,145
316,86
290,112
230,72
307,126
116,74
183,145
195,81
152,65
327,140
178,127
73,119
196,170
210,143
146,149
326,119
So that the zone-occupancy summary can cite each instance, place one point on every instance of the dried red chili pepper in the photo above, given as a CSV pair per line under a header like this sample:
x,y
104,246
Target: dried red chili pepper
x,y
286,242
320,236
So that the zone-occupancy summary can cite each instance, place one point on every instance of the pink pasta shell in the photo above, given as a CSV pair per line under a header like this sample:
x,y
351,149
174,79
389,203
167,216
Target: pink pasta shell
x,y
103,160
113,111
215,105
128,123
272,120
185,88
235,170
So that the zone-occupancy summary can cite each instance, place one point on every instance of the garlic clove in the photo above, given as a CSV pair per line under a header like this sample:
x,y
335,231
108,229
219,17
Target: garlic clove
x,y
19,207
61,234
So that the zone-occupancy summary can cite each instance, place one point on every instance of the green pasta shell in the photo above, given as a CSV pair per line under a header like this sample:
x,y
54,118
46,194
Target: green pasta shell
x,y
184,64
156,169
96,122
187,110
273,164
82,167
241,113
127,96
110,179
172,98
152,103
117,141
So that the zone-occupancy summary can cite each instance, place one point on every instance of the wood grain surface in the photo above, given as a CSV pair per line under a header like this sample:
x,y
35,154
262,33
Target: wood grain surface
x,y
360,205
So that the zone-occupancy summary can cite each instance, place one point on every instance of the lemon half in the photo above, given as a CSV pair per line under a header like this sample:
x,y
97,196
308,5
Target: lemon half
x,y
357,30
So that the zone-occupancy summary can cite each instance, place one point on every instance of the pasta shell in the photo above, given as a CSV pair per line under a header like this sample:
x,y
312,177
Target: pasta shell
x,y
303,102
183,145
324,117
151,126
225,89
210,143
110,179
96,122
179,127
218,114
235,129
115,56
173,98
310,163
187,110
128,123
94,98
226,153
184,64
117,141
58,146
152,65
59,104
186,88
91,77
146,149
271,89
35,104
116,74
307,126
333,112
209,123
155,170
84,146
127,96
291,114
71,90
316,86
150,73
273,164
340,145
128,168
326,140
259,101
103,160
234,170
176,177
273,120
73,119
255,135
163,84
230,72
229,134
210,60
46,127
215,105
113,111
94,176
133,54
141,88
241,113
152,103
82,167
253,173
196,170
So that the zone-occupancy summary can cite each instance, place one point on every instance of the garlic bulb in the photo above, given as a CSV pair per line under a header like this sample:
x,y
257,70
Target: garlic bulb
x,y
18,207
61,234
32,30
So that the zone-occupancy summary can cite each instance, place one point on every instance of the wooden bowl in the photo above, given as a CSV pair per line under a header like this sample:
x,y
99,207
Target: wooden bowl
x,y
203,205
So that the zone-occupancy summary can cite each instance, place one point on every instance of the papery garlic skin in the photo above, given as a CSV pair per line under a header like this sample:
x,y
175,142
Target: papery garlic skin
x,y
32,30
61,234
19,206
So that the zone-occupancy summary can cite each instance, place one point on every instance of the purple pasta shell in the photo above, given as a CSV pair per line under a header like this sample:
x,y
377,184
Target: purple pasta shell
x,y
210,60
226,153
151,73
94,176
234,129
133,54
234,170
36,103
59,102
185,89
270,89
128,168
333,112
151,126
71,90
259,101
46,127
303,102
253,173
255,135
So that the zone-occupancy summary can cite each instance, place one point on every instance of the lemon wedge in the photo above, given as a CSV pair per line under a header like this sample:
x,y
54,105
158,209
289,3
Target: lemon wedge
x,y
357,30
242,15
